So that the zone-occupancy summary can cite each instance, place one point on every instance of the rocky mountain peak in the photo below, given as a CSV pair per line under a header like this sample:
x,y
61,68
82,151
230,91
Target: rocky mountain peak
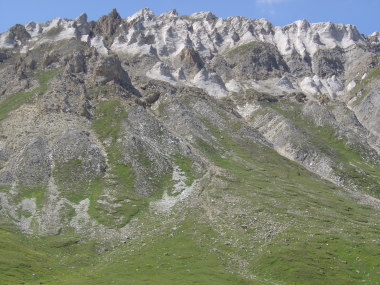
x,y
206,15
107,25
143,14
170,14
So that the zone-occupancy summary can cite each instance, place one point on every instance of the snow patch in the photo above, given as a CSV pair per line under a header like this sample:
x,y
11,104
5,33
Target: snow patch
x,y
180,188
211,83
98,43
180,75
161,71
351,86
233,86
5,41
34,29
82,218
334,86
246,110
84,38
310,86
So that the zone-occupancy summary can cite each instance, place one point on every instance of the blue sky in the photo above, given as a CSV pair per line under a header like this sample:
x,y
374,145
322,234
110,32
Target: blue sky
x,y
365,14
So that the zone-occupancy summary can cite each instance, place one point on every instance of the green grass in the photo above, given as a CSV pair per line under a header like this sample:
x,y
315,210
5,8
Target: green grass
x,y
12,102
72,180
298,228
171,258
53,32
363,84
109,117
242,49
36,192
329,238
130,203
185,164
18,260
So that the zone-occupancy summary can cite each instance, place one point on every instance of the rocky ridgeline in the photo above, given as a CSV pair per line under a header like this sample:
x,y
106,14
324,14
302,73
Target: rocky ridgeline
x,y
99,116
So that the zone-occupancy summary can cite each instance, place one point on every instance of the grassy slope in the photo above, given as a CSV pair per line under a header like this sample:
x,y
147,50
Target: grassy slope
x,y
12,102
329,237
305,231
363,85
297,229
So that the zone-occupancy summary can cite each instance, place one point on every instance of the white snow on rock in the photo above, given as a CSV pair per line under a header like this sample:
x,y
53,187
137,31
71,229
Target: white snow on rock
x,y
168,33
6,41
60,29
84,38
207,16
179,74
375,37
310,86
50,31
303,37
233,86
180,188
144,14
34,29
98,43
161,71
285,83
351,86
246,110
211,83
334,86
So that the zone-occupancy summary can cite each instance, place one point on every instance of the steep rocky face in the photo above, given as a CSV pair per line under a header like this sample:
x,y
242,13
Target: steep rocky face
x,y
99,118
189,63
257,61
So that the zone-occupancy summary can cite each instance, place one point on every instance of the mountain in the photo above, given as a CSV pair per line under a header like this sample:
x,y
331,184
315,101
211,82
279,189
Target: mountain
x,y
167,149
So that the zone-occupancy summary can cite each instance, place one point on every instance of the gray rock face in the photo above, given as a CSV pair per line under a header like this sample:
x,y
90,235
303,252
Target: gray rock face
x,y
98,119
190,62
18,33
33,165
109,69
284,82
257,61
68,95
107,25
289,141
327,63
368,111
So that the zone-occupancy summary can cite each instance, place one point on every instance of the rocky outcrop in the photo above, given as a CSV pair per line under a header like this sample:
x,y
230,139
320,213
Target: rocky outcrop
x,y
19,34
106,25
108,69
368,110
256,60
327,63
189,61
